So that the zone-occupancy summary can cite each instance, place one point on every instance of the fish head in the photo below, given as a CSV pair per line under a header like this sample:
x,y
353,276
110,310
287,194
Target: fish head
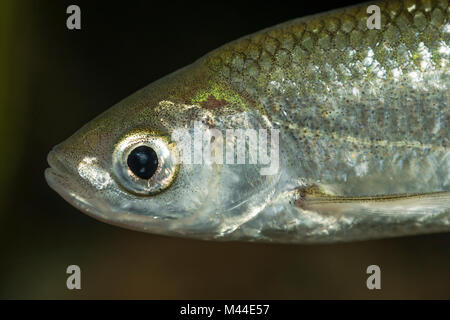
x,y
151,163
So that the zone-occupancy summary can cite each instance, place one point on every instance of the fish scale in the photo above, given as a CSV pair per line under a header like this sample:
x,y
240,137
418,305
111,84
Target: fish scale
x,y
353,92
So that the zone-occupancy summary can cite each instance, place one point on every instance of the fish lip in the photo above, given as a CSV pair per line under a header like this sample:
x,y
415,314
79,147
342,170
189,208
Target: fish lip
x,y
63,180
58,178
61,183
53,160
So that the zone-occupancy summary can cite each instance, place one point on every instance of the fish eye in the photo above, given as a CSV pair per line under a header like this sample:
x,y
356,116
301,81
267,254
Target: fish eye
x,y
144,163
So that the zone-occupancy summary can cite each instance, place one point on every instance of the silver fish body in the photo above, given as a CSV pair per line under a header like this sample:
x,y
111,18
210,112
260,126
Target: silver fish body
x,y
363,122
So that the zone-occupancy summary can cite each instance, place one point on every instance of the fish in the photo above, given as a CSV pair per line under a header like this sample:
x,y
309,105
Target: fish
x,y
327,128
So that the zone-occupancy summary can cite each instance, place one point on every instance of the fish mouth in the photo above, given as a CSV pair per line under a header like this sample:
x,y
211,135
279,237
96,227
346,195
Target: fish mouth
x,y
61,178
64,179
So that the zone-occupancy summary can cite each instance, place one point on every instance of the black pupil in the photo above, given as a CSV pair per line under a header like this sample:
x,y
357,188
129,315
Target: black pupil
x,y
143,161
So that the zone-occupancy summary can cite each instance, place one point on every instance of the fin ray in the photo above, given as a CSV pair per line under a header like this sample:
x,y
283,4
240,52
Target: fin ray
x,y
313,199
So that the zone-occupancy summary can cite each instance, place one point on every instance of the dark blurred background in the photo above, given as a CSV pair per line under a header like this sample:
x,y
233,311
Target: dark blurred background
x,y
53,80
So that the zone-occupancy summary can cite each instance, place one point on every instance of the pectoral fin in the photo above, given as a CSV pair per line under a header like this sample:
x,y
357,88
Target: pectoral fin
x,y
317,200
